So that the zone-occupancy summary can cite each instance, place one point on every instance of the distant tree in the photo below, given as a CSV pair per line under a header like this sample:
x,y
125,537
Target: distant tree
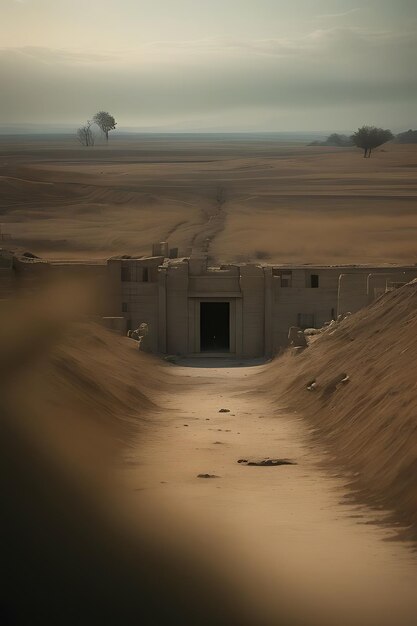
x,y
340,141
105,122
410,136
370,137
85,135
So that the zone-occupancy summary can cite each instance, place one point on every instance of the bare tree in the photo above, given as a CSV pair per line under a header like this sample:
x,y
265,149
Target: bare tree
x,y
105,122
85,135
370,137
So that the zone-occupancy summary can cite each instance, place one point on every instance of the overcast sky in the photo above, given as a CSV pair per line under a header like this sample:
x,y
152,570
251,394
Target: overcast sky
x,y
210,64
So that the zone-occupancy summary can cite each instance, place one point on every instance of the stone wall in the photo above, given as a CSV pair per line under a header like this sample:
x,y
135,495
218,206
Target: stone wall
x,y
265,301
302,305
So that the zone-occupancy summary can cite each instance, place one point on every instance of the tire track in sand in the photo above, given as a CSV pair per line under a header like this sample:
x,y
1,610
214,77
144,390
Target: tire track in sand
x,y
214,225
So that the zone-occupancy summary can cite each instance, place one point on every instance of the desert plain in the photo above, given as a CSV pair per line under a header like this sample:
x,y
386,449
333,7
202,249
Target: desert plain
x,y
238,198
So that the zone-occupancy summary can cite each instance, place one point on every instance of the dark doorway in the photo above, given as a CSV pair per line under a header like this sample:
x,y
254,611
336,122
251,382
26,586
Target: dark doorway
x,y
214,327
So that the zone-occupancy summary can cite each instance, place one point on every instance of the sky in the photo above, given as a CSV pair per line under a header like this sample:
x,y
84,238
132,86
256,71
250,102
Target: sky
x,y
210,65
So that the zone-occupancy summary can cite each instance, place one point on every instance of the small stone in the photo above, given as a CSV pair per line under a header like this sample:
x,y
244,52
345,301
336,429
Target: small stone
x,y
207,476
224,411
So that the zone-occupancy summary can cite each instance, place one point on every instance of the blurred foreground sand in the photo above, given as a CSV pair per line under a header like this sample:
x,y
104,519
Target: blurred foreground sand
x,y
106,519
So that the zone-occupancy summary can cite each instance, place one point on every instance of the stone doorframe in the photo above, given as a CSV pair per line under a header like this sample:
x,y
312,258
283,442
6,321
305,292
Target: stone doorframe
x,y
236,324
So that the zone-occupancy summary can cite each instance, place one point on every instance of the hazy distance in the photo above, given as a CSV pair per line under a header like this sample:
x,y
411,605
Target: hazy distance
x,y
234,65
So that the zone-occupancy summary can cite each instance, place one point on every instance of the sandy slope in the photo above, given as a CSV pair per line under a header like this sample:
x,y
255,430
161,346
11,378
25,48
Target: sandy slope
x,y
370,422
279,202
75,549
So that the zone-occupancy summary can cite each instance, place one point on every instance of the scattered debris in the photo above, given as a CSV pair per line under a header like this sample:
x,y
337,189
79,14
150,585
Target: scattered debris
x,y
170,358
30,255
296,338
333,384
267,462
139,335
329,328
207,476
308,332
297,350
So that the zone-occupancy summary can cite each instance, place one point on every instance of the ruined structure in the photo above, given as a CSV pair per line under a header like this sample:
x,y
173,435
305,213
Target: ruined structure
x,y
190,308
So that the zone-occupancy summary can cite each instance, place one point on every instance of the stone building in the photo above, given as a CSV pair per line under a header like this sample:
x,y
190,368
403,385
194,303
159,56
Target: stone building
x,y
242,310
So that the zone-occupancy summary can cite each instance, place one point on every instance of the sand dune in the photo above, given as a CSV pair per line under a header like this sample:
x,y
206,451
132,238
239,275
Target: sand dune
x,y
369,422
71,369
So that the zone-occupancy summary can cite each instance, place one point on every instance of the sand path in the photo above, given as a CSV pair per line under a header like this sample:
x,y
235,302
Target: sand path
x,y
284,528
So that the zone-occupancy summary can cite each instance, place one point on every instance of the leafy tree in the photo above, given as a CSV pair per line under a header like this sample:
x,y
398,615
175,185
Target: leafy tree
x,y
340,141
85,135
410,136
105,122
370,137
